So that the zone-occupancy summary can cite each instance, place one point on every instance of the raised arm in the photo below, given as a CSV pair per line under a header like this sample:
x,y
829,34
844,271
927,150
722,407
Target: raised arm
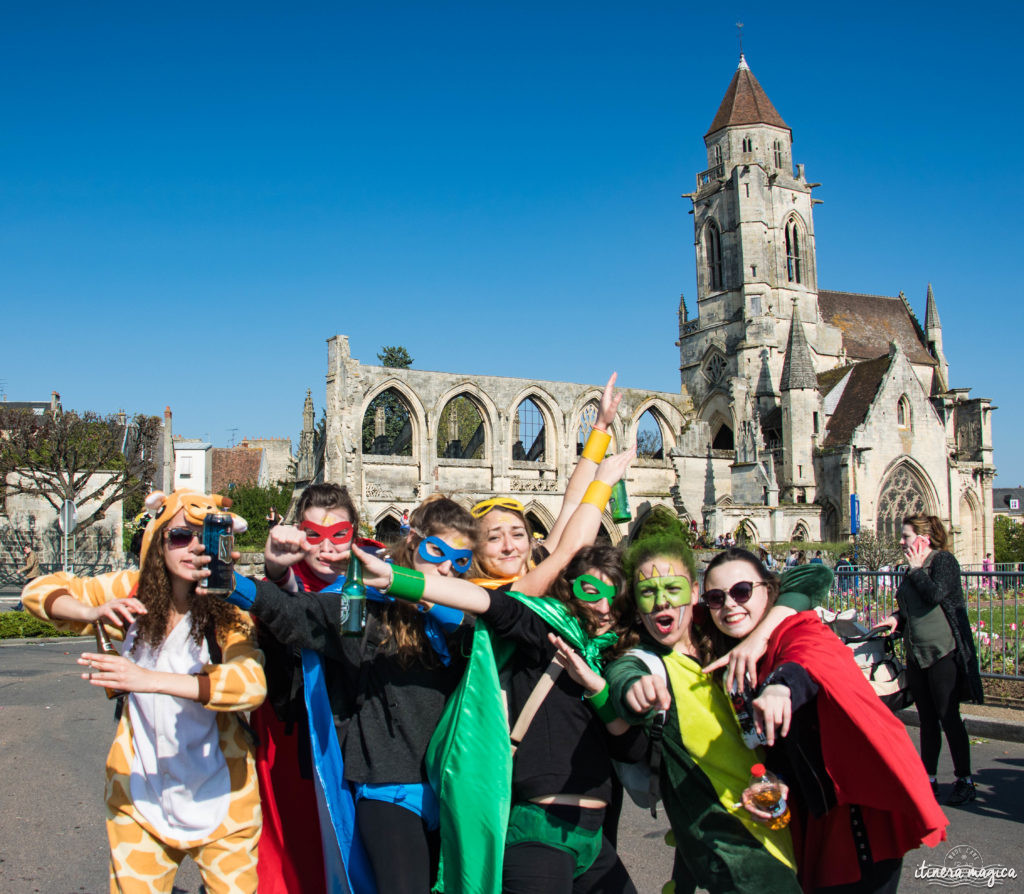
x,y
586,468
74,603
582,528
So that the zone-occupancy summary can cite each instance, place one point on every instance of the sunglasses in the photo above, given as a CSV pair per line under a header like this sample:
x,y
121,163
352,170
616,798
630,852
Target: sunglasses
x,y
176,538
740,593
482,508
339,534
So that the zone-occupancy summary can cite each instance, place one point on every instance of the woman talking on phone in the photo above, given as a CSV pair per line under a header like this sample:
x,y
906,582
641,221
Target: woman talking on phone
x,y
942,665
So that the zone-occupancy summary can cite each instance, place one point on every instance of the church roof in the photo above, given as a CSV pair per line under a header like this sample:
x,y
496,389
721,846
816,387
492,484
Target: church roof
x,y
857,398
870,322
798,367
828,379
745,102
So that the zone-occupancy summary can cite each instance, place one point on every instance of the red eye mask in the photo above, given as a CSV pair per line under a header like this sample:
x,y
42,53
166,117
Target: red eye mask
x,y
339,534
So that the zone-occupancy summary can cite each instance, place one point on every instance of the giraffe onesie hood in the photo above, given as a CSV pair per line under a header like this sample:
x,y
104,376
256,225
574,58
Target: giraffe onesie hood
x,y
181,774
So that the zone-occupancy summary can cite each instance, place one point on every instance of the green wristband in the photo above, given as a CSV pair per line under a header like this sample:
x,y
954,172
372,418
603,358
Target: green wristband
x,y
602,705
406,583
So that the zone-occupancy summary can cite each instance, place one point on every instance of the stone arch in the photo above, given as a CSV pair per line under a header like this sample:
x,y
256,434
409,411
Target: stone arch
x,y
386,527
718,415
586,405
473,423
968,543
904,413
906,490
394,441
746,534
534,425
711,248
659,415
801,532
539,516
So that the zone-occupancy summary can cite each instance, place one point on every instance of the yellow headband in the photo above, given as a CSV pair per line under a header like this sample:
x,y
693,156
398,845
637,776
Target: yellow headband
x,y
484,506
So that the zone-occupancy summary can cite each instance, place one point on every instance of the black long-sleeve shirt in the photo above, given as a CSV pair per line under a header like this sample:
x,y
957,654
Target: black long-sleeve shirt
x,y
567,748
392,710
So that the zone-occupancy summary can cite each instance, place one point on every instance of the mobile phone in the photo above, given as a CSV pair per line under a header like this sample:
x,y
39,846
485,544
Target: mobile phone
x,y
219,543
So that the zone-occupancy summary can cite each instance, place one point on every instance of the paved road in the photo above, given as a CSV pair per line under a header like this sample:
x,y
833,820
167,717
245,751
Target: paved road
x,y
55,731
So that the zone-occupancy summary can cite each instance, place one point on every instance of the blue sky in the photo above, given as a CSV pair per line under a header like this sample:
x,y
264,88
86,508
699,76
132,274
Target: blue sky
x,y
196,196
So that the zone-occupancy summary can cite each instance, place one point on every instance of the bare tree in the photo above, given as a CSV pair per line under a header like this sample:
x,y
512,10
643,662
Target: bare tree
x,y
874,552
91,459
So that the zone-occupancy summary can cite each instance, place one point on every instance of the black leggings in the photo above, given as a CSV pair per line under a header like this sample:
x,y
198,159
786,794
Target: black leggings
x,y
533,868
402,851
935,694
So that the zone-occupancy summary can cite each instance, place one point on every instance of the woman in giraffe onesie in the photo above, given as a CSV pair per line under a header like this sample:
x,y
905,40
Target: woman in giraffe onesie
x,y
180,775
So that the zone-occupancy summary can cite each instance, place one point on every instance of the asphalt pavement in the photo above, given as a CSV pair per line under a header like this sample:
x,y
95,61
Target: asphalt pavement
x,y
55,731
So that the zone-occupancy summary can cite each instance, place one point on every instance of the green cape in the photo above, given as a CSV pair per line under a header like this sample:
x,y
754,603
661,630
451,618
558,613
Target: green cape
x,y
469,760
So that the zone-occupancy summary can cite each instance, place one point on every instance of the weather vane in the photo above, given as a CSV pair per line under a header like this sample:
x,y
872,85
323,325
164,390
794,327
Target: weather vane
x,y
739,30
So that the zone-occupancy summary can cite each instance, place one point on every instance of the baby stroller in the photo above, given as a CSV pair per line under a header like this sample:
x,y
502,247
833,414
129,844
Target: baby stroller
x,y
874,650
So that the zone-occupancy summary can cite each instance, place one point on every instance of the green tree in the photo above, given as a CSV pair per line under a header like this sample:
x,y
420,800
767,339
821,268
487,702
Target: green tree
x,y
84,457
253,503
1009,540
394,356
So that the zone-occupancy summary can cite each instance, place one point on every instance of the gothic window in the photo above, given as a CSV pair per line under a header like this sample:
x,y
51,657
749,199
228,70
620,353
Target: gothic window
x,y
649,442
902,494
713,254
794,258
387,425
718,155
460,430
748,144
714,369
587,418
800,534
529,438
777,152
388,530
903,412
723,439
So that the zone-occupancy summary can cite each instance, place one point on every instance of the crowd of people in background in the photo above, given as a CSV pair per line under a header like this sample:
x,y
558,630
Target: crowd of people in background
x,y
464,710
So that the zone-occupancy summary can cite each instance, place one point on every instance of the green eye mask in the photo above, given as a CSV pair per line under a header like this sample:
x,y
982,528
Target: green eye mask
x,y
654,591
604,591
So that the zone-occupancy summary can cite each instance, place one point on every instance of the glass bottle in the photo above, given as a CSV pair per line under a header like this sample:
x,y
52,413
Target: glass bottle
x,y
353,599
104,645
620,502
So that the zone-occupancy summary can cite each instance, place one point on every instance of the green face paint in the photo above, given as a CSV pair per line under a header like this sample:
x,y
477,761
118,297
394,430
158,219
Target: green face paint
x,y
604,591
654,591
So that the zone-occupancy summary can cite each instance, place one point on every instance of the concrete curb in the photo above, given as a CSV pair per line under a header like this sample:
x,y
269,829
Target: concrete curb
x,y
979,727
38,640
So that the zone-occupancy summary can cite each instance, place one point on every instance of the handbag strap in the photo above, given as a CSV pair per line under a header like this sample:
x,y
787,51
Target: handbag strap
x,y
540,692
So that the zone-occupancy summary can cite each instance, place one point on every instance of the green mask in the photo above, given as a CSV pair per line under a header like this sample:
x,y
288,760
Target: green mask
x,y
604,591
653,591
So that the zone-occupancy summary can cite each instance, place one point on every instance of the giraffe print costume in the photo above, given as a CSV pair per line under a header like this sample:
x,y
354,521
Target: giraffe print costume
x,y
212,800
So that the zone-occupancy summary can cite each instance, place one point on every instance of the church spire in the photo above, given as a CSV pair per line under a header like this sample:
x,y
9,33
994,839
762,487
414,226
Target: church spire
x,y
745,103
931,313
798,367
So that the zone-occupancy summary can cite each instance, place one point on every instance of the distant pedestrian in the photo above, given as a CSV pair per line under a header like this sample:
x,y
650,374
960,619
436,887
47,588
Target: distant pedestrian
x,y
987,565
403,528
817,560
30,569
791,559
274,517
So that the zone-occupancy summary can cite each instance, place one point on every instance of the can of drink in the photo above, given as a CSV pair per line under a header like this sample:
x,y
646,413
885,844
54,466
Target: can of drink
x,y
620,502
219,543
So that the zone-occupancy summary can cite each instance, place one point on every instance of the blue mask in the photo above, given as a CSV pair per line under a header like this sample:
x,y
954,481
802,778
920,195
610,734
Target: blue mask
x,y
460,558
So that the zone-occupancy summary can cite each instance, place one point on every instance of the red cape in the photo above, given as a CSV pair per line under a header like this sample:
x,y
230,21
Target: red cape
x,y
868,755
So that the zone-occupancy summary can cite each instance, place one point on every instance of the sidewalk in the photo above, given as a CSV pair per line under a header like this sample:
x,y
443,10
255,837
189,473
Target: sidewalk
x,y
982,722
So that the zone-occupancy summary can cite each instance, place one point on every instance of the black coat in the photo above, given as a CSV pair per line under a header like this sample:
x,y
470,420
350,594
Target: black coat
x,y
940,584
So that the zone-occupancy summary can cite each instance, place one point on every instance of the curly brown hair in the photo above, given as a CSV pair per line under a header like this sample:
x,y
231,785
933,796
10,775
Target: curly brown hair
x,y
154,592
608,560
402,622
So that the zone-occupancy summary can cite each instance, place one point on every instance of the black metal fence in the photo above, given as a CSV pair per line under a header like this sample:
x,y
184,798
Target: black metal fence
x,y
994,601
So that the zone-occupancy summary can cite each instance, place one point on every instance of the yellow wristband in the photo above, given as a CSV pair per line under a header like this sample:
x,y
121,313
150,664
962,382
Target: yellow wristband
x,y
596,446
597,494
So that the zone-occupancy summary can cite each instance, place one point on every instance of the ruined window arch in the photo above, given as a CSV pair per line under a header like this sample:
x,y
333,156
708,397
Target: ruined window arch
x,y
650,442
461,433
388,530
529,432
794,251
723,438
903,493
585,422
387,425
800,534
713,255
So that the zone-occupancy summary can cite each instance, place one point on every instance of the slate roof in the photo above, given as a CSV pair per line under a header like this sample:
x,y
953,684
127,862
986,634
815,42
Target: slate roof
x,y
798,367
1001,497
745,102
869,322
828,379
233,465
857,398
